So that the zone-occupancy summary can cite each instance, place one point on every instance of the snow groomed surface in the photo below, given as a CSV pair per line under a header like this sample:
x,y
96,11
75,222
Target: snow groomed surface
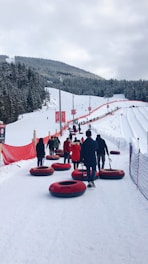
x,y
108,223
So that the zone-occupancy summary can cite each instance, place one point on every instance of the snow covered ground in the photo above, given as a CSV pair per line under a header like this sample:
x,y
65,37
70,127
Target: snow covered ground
x,y
107,225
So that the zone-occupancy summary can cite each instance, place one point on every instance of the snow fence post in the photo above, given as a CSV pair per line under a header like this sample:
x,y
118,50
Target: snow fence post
x,y
138,162
147,141
34,138
130,156
0,152
48,134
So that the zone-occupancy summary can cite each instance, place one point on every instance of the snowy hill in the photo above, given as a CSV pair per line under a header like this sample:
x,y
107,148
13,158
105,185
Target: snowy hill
x,y
108,224
128,123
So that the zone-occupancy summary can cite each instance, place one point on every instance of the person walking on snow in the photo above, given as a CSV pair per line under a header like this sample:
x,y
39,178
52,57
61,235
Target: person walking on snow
x,y
88,157
79,128
75,156
102,149
56,143
50,143
70,136
67,149
40,152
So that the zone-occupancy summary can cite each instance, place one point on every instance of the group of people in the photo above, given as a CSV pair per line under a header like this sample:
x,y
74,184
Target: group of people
x,y
75,129
74,148
90,153
93,152
53,144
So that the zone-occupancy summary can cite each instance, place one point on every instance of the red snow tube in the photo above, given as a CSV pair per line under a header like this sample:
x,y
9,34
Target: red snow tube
x,y
67,188
73,133
115,152
111,174
82,175
59,152
42,171
52,157
61,166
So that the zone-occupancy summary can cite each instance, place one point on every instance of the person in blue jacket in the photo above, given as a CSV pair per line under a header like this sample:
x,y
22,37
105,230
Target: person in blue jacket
x,y
88,157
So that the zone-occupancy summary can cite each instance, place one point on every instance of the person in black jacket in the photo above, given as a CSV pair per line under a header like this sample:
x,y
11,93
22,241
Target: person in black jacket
x,y
50,143
88,157
102,149
40,152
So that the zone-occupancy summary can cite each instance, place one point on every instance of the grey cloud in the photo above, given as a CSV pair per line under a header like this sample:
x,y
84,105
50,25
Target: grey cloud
x,y
105,37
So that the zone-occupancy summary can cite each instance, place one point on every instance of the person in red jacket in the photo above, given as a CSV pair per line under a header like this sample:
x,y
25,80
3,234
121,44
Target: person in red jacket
x,y
75,156
67,149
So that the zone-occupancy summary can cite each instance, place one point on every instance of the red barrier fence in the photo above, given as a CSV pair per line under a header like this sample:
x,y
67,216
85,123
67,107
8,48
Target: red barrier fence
x,y
17,153
13,154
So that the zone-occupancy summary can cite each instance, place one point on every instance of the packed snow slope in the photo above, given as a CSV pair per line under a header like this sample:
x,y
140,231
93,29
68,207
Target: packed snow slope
x,y
107,225
129,122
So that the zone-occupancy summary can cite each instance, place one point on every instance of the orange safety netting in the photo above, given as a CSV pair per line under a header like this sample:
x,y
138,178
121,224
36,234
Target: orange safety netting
x,y
16,153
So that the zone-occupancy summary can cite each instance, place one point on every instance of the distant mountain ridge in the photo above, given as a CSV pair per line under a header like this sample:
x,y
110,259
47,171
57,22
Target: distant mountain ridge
x,y
50,68
78,81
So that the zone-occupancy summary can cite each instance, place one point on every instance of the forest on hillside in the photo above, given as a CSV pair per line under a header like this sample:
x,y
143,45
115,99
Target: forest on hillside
x,y
133,90
23,82
78,81
21,91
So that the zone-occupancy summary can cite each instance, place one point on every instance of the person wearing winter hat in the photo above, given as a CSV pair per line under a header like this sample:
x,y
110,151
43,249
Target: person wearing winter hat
x,y
88,157
102,149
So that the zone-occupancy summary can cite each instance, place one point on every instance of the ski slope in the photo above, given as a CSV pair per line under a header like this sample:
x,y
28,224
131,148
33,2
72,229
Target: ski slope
x,y
107,225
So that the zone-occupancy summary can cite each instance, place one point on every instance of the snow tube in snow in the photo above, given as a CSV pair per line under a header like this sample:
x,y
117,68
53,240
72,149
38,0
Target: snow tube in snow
x,y
42,171
115,152
67,188
52,157
82,175
73,133
61,166
59,152
111,174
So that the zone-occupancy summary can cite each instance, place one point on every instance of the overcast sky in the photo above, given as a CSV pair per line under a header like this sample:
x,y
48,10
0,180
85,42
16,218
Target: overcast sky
x,y
106,37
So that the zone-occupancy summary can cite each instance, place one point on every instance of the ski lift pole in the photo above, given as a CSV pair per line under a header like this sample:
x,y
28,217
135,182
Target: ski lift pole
x,y
147,141
34,138
0,152
60,113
